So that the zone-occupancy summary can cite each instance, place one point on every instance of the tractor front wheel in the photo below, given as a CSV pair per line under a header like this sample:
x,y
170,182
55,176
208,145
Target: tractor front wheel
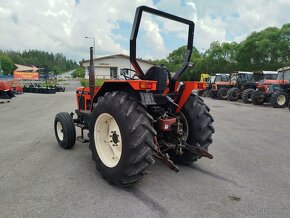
x,y
257,98
197,125
65,131
247,95
121,138
212,93
233,94
279,99
222,94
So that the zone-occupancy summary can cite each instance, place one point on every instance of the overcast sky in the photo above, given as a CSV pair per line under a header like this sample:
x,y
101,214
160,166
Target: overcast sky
x,y
61,25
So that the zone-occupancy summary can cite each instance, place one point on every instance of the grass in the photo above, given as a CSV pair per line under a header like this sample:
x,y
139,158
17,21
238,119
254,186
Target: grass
x,y
85,82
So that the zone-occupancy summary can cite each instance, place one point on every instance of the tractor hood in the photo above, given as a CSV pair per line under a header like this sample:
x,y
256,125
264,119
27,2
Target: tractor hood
x,y
269,82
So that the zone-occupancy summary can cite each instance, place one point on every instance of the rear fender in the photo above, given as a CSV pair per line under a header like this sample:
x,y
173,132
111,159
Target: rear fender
x,y
124,86
189,86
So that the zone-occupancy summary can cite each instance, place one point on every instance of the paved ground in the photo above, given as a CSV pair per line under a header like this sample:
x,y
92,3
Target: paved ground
x,y
249,175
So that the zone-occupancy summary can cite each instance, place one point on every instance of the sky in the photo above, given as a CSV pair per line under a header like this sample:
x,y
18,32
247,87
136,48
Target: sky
x,y
61,25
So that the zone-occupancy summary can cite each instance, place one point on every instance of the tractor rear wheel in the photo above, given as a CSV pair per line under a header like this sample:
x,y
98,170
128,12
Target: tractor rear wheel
x,y
247,95
257,98
279,99
197,123
65,131
121,138
222,94
233,94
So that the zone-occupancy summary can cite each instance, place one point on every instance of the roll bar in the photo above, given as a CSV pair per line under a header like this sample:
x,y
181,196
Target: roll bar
x,y
135,30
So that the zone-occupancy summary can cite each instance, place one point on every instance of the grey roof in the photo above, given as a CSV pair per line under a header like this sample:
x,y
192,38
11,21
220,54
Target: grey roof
x,y
118,55
284,68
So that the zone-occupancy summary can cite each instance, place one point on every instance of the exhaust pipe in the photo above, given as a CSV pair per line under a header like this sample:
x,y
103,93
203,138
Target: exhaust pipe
x,y
92,74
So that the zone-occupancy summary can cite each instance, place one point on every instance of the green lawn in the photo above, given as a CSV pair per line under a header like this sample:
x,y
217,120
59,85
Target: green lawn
x,y
85,82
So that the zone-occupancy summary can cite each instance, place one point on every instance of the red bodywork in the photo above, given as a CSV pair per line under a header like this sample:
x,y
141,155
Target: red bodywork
x,y
270,82
266,83
2,85
216,84
83,93
15,86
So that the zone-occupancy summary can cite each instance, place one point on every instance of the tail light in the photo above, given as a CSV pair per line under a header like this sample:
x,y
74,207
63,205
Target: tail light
x,y
145,85
201,86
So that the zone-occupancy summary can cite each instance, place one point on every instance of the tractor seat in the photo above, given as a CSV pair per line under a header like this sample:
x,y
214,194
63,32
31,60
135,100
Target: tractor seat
x,y
159,74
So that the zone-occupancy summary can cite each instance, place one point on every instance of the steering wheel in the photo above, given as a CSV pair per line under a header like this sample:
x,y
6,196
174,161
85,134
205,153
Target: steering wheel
x,y
127,77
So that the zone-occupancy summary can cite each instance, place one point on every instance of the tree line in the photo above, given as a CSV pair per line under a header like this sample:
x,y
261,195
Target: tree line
x,y
268,49
56,63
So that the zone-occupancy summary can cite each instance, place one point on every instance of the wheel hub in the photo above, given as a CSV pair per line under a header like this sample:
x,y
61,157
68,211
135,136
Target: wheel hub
x,y
115,137
59,131
108,140
281,100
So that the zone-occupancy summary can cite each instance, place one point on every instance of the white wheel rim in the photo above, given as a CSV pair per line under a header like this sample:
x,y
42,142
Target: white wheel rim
x,y
108,140
59,131
281,100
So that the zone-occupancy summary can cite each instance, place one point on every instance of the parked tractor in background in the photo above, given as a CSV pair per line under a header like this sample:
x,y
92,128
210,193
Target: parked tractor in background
x,y
213,79
219,85
148,114
246,83
277,92
6,92
204,77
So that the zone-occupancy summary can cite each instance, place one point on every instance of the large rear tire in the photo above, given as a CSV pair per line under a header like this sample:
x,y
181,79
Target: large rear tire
x,y
199,123
121,129
222,93
279,99
233,94
257,98
247,95
65,131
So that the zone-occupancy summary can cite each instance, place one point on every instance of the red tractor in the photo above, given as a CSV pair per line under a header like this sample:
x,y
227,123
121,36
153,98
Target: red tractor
x,y
132,121
6,91
16,86
277,92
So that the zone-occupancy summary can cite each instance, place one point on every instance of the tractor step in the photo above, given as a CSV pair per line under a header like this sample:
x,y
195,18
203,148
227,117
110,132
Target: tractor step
x,y
82,126
82,140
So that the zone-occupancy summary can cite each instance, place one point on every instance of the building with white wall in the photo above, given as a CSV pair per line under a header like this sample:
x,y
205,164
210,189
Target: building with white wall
x,y
109,67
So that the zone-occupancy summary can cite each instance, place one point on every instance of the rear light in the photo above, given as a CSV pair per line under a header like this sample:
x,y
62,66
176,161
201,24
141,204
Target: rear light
x,y
145,85
201,86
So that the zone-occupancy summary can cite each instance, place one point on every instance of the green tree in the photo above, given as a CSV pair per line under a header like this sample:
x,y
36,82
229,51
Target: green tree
x,y
268,49
7,66
79,72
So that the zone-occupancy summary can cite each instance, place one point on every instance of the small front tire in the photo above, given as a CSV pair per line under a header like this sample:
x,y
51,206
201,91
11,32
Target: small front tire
x,y
65,131
257,98
247,95
233,94
222,94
